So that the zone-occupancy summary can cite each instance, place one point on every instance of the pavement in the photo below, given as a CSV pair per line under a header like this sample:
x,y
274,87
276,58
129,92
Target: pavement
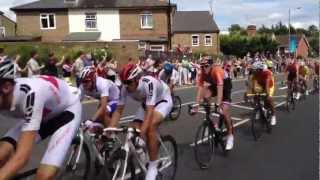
x,y
289,153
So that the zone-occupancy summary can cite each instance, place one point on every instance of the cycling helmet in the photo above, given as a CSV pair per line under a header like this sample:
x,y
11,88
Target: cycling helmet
x,y
259,65
130,72
168,68
7,70
88,74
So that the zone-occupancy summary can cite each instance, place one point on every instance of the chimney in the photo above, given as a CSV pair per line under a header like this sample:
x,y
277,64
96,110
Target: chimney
x,y
252,30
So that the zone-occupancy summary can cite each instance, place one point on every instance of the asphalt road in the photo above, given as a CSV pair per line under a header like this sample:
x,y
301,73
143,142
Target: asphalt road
x,y
289,153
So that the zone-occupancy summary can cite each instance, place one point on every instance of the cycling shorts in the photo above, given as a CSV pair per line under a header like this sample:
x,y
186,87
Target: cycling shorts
x,y
291,76
163,107
111,107
63,128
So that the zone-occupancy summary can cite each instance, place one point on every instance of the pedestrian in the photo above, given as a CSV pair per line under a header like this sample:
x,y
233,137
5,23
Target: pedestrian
x,y
78,66
2,55
185,70
17,67
51,67
67,69
33,65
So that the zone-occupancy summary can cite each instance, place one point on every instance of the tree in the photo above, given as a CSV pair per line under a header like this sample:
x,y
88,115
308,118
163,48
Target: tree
x,y
235,28
313,30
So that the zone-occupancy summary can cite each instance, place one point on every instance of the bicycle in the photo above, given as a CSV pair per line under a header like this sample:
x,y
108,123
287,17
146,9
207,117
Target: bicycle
x,y
209,136
176,109
291,99
76,162
131,159
261,116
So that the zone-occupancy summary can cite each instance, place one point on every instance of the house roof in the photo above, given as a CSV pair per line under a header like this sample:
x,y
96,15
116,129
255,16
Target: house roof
x,y
283,40
83,36
60,4
194,21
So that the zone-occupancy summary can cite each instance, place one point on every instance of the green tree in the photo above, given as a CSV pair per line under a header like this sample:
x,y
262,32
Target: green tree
x,y
235,28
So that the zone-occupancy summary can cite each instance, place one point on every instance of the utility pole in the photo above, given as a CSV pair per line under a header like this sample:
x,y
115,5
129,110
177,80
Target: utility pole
x,y
319,31
169,25
211,7
289,31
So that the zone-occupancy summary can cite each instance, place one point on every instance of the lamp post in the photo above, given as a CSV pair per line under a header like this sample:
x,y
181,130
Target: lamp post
x,y
289,27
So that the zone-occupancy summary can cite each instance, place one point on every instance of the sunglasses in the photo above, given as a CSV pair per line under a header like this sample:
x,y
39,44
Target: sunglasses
x,y
127,82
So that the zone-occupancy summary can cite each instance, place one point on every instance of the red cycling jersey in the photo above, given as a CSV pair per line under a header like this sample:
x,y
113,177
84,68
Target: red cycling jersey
x,y
262,76
292,68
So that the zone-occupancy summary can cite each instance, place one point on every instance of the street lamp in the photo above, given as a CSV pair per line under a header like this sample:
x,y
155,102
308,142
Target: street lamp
x,y
289,27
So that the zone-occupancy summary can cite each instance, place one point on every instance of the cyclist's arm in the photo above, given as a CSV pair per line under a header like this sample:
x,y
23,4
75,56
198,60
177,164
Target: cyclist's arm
x,y
101,112
219,94
21,156
199,94
147,119
267,85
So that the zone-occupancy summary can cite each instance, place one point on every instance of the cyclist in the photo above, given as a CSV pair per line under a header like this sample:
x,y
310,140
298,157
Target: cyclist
x,y
156,103
214,81
106,91
44,106
303,75
292,72
169,75
263,81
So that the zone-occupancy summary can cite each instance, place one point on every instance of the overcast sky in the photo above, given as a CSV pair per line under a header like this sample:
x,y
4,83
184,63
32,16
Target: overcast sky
x,y
243,12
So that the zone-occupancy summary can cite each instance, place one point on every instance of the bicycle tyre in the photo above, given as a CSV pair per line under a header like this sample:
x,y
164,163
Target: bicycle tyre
x,y
204,158
163,175
257,124
68,172
268,122
176,109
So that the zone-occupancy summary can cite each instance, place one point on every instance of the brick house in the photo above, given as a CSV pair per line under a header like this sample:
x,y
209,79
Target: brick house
x,y
301,44
7,26
196,30
144,22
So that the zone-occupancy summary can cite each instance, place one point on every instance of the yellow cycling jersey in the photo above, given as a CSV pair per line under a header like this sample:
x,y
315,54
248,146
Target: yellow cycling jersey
x,y
303,70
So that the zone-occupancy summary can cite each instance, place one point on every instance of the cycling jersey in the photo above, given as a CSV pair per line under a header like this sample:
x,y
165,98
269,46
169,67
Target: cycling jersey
x,y
46,105
171,78
150,92
217,77
303,71
103,88
260,78
292,71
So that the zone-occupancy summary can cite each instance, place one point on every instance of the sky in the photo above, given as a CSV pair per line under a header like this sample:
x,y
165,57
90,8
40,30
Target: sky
x,y
243,12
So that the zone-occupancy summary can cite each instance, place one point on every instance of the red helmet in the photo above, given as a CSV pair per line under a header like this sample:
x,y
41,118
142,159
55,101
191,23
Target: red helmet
x,y
130,71
88,74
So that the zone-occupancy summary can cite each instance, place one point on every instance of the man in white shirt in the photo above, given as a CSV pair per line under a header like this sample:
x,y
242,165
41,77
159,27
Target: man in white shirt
x,y
79,66
33,66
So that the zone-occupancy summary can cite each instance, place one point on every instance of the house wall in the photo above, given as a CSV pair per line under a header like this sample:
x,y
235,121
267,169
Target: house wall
x,y
9,25
130,25
28,24
302,49
185,40
108,23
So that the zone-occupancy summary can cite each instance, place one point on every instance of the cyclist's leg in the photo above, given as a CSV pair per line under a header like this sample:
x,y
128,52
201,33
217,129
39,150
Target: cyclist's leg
x,y
9,142
59,144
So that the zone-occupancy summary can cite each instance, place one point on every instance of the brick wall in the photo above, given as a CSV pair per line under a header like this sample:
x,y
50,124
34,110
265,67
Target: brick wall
x,y
130,24
10,26
184,39
28,24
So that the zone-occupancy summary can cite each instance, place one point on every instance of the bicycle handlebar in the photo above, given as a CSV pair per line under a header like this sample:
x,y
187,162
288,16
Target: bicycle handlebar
x,y
123,129
257,94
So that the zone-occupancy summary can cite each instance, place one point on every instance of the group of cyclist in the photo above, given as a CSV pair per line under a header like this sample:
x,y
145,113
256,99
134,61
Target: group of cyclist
x,y
45,106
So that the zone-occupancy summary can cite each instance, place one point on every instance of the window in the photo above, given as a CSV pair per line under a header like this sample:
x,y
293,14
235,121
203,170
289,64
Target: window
x,y
2,32
47,21
195,40
142,45
91,20
208,40
70,1
156,47
146,21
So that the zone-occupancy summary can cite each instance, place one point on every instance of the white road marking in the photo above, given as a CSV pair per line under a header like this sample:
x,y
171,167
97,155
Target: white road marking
x,y
242,107
282,88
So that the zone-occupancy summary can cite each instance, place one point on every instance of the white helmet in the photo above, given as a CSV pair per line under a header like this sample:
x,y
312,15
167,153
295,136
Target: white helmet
x,y
259,65
7,70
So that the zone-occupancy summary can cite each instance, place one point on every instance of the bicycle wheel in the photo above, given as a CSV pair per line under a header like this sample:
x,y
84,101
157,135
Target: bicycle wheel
x,y
168,154
77,169
257,124
290,102
176,109
268,122
204,145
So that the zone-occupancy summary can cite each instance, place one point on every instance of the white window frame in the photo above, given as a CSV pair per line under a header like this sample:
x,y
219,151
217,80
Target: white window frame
x,y
205,40
195,35
140,46
3,30
157,46
54,21
96,19
141,21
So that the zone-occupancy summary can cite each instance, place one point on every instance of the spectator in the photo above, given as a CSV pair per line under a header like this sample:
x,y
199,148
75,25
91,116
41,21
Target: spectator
x,y
185,70
33,66
51,66
67,69
88,60
2,55
149,65
78,67
18,69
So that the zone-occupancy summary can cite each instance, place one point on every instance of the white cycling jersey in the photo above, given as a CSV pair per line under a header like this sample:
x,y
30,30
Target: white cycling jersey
x,y
172,78
39,99
149,91
104,88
